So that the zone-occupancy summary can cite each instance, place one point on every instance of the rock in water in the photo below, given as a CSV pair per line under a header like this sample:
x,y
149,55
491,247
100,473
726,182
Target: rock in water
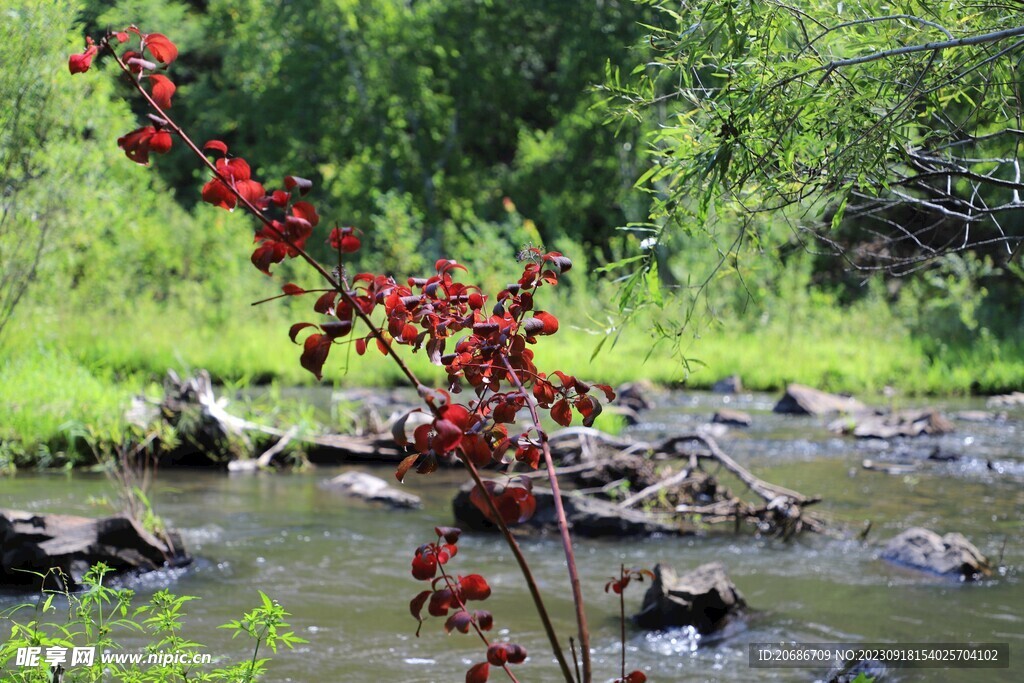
x,y
735,418
901,423
949,555
36,543
801,400
728,385
704,598
374,489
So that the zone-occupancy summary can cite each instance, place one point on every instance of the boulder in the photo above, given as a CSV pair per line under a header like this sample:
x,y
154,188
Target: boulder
x,y
373,489
704,598
31,542
949,555
803,400
635,395
587,516
734,418
728,385
978,416
1014,400
901,423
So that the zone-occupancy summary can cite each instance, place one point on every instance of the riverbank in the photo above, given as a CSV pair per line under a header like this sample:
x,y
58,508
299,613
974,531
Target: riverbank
x,y
64,389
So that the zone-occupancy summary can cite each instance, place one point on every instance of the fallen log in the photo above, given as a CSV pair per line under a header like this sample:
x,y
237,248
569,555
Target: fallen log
x,y
210,430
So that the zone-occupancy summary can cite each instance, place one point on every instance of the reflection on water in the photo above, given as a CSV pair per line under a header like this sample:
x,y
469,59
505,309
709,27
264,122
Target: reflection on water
x,y
342,568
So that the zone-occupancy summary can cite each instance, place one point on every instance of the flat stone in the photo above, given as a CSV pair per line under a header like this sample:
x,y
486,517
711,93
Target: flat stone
x,y
949,555
803,400
735,418
901,423
704,598
373,489
1014,400
31,542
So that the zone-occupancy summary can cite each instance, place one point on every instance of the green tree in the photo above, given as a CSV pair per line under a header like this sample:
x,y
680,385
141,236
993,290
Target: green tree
x,y
887,133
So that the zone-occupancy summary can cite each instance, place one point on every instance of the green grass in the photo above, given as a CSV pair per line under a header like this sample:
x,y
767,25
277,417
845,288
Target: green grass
x,y
63,377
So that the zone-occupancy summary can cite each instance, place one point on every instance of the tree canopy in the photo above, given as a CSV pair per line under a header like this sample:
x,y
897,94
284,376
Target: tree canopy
x,y
887,133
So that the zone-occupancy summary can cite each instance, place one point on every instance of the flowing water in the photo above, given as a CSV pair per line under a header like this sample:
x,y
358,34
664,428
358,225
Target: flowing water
x,y
342,568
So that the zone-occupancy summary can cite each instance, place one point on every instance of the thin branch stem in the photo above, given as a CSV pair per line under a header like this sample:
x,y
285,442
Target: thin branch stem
x,y
524,567
563,527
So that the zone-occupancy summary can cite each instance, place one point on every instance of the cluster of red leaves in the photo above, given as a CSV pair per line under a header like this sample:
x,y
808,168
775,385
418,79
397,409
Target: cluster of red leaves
x,y
490,349
449,594
141,142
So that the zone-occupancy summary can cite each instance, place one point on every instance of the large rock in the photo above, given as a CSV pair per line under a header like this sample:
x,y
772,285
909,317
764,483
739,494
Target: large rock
x,y
32,542
802,400
704,598
373,489
901,423
586,516
949,555
1014,400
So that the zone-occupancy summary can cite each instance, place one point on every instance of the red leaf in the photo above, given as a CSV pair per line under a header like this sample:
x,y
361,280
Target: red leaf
x,y
80,63
250,190
296,328
361,346
562,413
497,654
424,566
162,90
484,619
306,211
550,322
405,466
476,449
447,435
460,621
474,587
314,353
440,602
478,673
449,533
635,677
216,146
292,181
122,36
516,653
292,290
590,409
416,605
162,49
217,193
140,142
608,392
336,328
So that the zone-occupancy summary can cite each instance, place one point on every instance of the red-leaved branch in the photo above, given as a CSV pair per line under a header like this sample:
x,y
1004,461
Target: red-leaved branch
x,y
485,345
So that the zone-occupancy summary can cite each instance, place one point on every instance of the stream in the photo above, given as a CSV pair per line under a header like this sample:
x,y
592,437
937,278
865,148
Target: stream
x,y
341,568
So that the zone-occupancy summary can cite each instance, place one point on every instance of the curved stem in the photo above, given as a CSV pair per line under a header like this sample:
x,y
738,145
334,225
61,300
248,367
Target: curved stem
x,y
563,527
524,567
476,627
251,208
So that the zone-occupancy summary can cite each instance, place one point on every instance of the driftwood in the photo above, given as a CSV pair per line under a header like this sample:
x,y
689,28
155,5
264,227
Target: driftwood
x,y
781,511
191,405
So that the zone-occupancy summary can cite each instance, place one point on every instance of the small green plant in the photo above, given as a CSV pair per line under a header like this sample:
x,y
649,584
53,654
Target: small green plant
x,y
84,647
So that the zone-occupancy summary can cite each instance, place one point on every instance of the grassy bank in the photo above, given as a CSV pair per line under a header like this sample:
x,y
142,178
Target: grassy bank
x,y
61,380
